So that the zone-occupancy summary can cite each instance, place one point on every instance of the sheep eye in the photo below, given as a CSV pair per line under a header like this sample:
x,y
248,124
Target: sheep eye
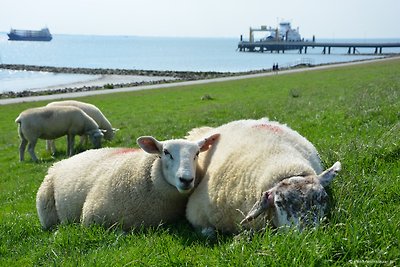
x,y
197,154
166,153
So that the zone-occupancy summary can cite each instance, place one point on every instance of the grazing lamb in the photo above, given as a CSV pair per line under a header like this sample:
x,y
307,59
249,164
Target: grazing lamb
x,y
91,110
258,167
124,186
54,122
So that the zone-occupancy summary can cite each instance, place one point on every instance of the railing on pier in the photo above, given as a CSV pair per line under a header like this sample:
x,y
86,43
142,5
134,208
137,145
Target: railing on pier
x,y
282,46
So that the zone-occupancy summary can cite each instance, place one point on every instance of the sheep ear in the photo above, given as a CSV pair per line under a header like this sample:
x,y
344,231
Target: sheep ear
x,y
266,200
115,130
207,142
327,176
149,144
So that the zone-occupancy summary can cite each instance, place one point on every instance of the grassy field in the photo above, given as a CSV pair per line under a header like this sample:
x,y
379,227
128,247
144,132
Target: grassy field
x,y
351,114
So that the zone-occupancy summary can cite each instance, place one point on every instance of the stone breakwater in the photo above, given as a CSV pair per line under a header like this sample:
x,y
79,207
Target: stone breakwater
x,y
183,75
77,89
176,75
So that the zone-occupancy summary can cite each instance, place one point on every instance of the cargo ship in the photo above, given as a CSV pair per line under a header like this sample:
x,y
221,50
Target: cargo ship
x,y
28,35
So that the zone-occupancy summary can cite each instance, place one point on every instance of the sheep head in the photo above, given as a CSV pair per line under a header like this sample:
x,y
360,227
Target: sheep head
x,y
95,137
296,201
178,158
109,134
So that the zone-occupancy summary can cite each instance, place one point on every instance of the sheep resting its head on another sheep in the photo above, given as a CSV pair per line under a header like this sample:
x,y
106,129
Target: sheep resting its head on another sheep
x,y
296,201
178,158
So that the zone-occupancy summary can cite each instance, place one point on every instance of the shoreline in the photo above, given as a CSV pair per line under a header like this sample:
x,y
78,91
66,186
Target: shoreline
x,y
166,79
107,81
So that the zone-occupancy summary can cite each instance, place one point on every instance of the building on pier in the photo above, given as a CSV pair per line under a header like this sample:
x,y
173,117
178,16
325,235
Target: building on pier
x,y
284,38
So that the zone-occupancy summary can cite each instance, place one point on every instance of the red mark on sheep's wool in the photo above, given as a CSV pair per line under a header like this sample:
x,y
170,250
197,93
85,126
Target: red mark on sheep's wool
x,y
126,150
273,128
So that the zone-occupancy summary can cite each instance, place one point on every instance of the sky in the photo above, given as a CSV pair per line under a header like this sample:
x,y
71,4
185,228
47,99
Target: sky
x,y
204,18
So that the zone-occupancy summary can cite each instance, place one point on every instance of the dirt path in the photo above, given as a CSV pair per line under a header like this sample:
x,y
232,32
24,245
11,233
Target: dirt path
x,y
168,85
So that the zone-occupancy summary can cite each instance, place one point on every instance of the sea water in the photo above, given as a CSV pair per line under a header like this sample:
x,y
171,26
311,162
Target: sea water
x,y
147,53
17,81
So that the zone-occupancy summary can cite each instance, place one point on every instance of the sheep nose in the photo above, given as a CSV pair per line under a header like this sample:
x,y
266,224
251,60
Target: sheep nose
x,y
186,181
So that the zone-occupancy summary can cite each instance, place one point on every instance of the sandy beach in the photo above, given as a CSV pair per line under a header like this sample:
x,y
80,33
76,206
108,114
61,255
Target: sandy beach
x,y
101,80
170,82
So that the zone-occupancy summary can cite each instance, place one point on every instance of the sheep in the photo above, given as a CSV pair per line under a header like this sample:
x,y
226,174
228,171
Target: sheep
x,y
91,110
258,167
122,186
54,122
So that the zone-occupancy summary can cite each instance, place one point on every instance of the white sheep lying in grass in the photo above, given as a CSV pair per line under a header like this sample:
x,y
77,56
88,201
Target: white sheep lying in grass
x,y
91,110
122,186
54,122
258,167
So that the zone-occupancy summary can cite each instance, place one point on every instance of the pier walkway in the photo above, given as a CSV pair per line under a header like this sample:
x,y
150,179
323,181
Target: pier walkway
x,y
302,46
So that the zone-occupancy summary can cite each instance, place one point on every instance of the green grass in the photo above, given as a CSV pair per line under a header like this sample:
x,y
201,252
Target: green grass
x,y
351,114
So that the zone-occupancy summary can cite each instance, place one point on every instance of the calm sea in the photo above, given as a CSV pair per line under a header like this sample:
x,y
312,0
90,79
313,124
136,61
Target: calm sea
x,y
147,53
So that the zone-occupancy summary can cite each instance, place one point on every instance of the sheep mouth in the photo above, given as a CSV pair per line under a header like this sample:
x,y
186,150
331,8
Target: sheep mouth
x,y
185,189
302,218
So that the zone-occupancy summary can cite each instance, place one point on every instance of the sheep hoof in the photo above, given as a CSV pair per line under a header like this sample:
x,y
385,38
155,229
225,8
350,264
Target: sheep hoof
x,y
208,232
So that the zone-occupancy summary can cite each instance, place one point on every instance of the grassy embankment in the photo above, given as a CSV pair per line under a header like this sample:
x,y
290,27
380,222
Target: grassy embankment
x,y
351,114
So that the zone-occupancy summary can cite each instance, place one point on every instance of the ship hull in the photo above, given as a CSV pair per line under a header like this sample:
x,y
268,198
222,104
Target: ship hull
x,y
16,37
28,35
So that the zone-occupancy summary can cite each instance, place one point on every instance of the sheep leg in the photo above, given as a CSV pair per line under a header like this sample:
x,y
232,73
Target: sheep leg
x,y
84,140
94,213
48,145
45,204
51,146
22,147
31,149
70,144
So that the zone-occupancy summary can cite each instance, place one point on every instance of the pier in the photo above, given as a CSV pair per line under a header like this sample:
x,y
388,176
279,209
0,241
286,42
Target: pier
x,y
302,46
